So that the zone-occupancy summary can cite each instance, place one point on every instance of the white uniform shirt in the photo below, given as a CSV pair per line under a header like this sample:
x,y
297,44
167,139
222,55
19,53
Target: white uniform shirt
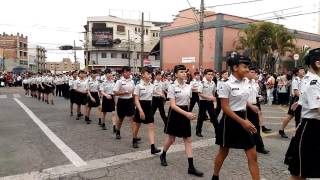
x,y
181,93
253,94
158,88
124,85
107,87
72,83
195,85
296,84
81,85
93,86
311,98
237,92
304,83
207,89
144,90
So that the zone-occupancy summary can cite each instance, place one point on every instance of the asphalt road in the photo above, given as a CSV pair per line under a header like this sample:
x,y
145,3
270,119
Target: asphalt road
x,y
25,147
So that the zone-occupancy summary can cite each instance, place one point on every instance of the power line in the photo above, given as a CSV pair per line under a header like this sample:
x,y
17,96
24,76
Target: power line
x,y
195,16
229,4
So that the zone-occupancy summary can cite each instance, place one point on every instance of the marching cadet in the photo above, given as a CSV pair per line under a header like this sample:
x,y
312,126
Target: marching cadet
x,y
306,157
159,97
33,84
206,91
253,109
179,118
195,83
80,92
39,87
143,94
125,106
166,83
72,84
295,93
26,85
58,82
65,85
93,95
50,90
224,77
108,102
235,130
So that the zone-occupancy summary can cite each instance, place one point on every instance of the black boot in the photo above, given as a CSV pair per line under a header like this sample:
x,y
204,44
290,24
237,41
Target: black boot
x,y
215,177
118,134
163,159
103,126
154,150
99,123
78,117
86,118
135,143
114,129
283,134
266,130
192,170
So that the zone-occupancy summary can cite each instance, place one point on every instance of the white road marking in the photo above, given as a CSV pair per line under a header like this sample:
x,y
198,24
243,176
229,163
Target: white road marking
x,y
266,117
16,95
66,150
67,171
3,96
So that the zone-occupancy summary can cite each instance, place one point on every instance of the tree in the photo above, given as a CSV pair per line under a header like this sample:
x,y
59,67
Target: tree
x,y
266,43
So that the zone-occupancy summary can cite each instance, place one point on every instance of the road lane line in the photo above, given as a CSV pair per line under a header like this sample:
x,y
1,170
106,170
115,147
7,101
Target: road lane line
x,y
66,150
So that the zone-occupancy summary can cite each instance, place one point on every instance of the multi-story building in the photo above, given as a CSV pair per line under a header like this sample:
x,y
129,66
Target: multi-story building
x,y
14,52
61,67
37,59
115,42
180,39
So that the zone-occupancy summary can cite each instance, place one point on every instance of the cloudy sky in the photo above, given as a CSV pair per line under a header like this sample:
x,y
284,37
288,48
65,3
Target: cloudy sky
x,y
51,23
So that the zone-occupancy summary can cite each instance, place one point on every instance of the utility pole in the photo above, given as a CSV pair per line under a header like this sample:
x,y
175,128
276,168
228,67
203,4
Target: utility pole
x,y
75,54
142,40
129,55
201,34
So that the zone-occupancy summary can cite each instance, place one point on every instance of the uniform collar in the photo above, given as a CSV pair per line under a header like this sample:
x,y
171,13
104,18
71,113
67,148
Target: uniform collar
x,y
144,83
234,79
178,84
124,79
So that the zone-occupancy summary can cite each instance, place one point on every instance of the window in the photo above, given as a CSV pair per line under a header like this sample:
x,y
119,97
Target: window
x,y
121,29
124,55
135,29
103,55
24,53
21,53
147,31
138,29
113,55
152,34
25,62
21,62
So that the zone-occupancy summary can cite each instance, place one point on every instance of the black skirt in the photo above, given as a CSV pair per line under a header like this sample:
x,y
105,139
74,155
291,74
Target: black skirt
x,y
178,125
108,105
96,97
26,86
73,96
231,134
80,98
125,107
147,109
306,150
33,87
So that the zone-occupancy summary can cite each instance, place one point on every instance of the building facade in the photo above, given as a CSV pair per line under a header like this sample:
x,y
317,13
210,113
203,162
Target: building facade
x,y
37,59
14,52
180,39
115,42
61,67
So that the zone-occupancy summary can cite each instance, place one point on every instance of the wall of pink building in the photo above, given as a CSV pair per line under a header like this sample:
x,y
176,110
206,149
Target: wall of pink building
x,y
312,44
187,45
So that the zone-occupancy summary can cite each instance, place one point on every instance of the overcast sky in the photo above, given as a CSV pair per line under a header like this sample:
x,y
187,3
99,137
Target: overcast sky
x,y
51,23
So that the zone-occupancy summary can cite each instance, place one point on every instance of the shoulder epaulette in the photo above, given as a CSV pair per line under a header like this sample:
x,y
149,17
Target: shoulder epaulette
x,y
313,82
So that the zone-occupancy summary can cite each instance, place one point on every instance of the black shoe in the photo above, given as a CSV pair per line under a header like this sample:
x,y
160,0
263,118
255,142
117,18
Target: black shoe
x,y
80,115
283,134
263,151
266,130
99,123
155,150
103,126
195,172
163,161
215,177
114,129
135,144
199,134
118,135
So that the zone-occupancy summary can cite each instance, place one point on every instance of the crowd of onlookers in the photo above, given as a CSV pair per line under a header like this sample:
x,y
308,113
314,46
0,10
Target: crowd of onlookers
x,y
9,79
275,88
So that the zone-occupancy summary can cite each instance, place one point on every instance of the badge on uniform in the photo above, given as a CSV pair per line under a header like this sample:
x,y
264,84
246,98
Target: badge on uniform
x,y
235,89
313,82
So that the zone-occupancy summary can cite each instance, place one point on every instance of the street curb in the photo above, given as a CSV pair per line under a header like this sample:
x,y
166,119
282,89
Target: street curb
x,y
98,168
